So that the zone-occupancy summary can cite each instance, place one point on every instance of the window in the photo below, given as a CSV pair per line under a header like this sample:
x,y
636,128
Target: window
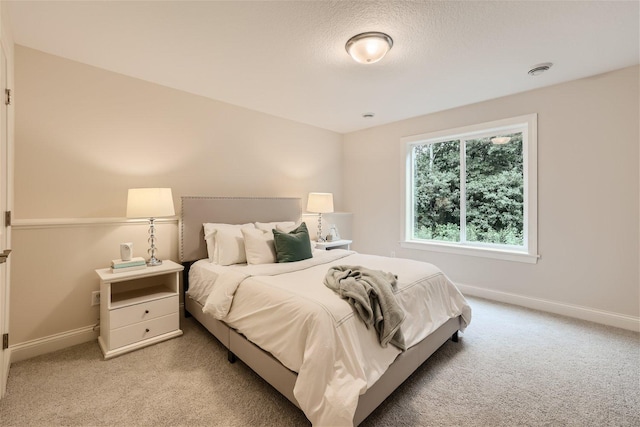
x,y
472,190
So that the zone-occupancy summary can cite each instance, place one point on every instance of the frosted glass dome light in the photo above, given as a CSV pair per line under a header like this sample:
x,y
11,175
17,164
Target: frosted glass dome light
x,y
369,47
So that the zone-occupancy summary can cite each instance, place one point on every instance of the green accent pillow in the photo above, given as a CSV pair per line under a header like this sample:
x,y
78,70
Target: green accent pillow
x,y
292,246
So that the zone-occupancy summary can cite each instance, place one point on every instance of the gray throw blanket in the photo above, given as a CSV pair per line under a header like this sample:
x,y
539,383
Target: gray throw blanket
x,y
370,292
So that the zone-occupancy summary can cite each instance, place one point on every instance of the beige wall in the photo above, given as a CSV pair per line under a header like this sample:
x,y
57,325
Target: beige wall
x,y
85,135
588,139
53,271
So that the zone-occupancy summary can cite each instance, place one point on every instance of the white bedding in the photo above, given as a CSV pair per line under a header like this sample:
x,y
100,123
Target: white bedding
x,y
288,311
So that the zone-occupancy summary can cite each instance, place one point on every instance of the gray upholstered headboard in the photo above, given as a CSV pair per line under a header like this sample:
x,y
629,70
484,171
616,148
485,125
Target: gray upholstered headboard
x,y
228,210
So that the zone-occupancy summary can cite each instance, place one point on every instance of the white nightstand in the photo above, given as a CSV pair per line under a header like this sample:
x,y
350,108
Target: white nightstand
x,y
336,244
138,308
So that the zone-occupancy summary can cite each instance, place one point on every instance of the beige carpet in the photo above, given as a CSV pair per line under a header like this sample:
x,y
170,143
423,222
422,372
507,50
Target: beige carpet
x,y
512,367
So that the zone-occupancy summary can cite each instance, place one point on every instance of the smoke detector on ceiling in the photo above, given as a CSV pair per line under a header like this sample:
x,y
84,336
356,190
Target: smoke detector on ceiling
x,y
540,68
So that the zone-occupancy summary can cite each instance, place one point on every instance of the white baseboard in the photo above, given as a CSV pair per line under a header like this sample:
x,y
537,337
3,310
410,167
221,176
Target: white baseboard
x,y
33,348
585,313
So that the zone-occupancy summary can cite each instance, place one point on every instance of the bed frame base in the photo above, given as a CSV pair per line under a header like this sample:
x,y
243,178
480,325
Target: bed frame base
x,y
239,210
283,379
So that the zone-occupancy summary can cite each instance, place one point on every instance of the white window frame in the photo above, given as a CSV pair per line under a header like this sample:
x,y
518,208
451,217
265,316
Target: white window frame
x,y
529,252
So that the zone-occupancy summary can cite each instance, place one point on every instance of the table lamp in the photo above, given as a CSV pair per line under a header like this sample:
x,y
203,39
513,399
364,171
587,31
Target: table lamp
x,y
150,203
320,203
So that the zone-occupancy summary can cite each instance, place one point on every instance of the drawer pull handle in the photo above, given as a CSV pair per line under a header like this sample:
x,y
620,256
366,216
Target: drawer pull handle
x,y
146,312
146,330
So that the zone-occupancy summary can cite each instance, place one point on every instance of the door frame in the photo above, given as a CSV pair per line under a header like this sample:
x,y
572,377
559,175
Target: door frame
x,y
5,239
6,188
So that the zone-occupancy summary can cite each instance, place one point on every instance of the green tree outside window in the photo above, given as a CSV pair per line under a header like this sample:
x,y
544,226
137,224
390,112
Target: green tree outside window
x,y
493,207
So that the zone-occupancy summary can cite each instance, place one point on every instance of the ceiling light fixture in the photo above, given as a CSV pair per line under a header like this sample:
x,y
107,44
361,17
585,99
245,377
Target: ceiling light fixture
x,y
369,47
368,115
536,70
499,140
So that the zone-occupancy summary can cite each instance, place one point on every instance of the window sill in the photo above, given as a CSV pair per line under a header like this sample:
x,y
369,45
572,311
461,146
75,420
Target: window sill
x,y
457,249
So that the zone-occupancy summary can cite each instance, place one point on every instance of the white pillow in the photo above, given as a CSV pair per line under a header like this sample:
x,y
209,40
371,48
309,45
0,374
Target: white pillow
x,y
268,226
286,227
231,246
259,246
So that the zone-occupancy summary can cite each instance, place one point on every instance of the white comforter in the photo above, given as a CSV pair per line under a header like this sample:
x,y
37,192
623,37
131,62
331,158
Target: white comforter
x,y
288,311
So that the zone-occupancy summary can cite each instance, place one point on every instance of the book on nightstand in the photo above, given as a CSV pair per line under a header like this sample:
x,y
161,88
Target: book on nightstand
x,y
120,266
132,268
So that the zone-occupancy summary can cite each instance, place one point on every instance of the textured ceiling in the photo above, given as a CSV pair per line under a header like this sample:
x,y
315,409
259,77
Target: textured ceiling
x,y
288,58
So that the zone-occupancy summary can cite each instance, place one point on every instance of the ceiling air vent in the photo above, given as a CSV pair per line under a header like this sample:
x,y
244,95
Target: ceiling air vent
x,y
540,68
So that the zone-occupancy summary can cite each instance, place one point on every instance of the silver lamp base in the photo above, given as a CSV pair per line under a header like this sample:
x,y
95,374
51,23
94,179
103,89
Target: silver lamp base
x,y
154,262
319,237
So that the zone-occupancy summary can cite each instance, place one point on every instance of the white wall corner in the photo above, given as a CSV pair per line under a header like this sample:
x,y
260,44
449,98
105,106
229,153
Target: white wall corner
x,y
584,313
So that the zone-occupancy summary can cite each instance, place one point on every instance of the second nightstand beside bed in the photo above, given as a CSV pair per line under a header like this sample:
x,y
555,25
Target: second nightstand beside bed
x,y
336,244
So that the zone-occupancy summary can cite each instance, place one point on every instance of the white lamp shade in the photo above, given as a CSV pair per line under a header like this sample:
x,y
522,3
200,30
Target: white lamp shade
x,y
370,47
150,203
320,202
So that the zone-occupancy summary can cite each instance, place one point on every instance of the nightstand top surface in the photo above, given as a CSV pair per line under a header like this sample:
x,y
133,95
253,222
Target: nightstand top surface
x,y
167,266
341,242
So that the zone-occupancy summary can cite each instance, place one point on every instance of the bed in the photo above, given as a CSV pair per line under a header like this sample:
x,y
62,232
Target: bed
x,y
300,336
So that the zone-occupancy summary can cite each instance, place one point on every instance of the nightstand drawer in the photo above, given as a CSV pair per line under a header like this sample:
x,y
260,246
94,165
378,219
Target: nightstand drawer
x,y
141,312
143,330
